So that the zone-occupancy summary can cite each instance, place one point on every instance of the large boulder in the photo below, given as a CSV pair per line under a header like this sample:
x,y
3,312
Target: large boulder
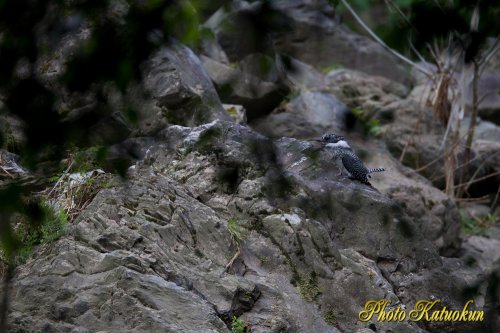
x,y
369,92
310,114
259,95
181,87
219,221
311,34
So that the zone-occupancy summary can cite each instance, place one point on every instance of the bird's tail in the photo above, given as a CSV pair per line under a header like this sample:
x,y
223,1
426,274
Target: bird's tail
x,y
375,170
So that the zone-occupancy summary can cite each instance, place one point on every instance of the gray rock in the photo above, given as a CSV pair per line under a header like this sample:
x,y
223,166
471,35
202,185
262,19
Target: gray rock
x,y
483,255
476,246
178,82
307,193
304,76
488,155
127,153
310,114
261,66
485,130
327,42
311,26
110,274
367,92
436,215
212,49
175,89
237,86
240,29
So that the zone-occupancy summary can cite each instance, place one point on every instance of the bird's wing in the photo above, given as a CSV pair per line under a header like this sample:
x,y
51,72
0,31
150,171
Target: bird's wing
x,y
355,166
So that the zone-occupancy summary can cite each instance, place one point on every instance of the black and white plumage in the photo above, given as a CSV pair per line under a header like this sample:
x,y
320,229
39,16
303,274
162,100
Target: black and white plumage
x,y
341,150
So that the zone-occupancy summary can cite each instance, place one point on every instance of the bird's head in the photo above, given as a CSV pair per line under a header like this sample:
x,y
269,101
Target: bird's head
x,y
331,140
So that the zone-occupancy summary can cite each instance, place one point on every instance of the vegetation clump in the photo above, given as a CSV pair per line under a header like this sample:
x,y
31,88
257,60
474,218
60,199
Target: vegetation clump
x,y
329,317
308,287
73,191
370,125
237,325
50,228
237,232
478,226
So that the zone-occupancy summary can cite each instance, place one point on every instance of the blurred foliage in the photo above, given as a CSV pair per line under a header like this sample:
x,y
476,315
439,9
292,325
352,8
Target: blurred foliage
x,y
369,125
51,227
98,46
37,223
478,226
426,21
121,35
110,40
88,159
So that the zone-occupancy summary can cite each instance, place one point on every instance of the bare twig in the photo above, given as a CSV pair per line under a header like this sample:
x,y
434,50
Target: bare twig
x,y
489,54
479,179
474,21
416,51
231,262
482,163
438,4
483,97
455,144
472,127
493,204
483,199
450,163
381,42
478,168
8,173
61,178
393,6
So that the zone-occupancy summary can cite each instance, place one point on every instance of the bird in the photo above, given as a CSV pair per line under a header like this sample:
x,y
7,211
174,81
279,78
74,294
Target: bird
x,y
342,152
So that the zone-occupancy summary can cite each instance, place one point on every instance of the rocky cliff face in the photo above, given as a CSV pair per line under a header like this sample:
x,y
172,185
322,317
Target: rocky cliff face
x,y
218,220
